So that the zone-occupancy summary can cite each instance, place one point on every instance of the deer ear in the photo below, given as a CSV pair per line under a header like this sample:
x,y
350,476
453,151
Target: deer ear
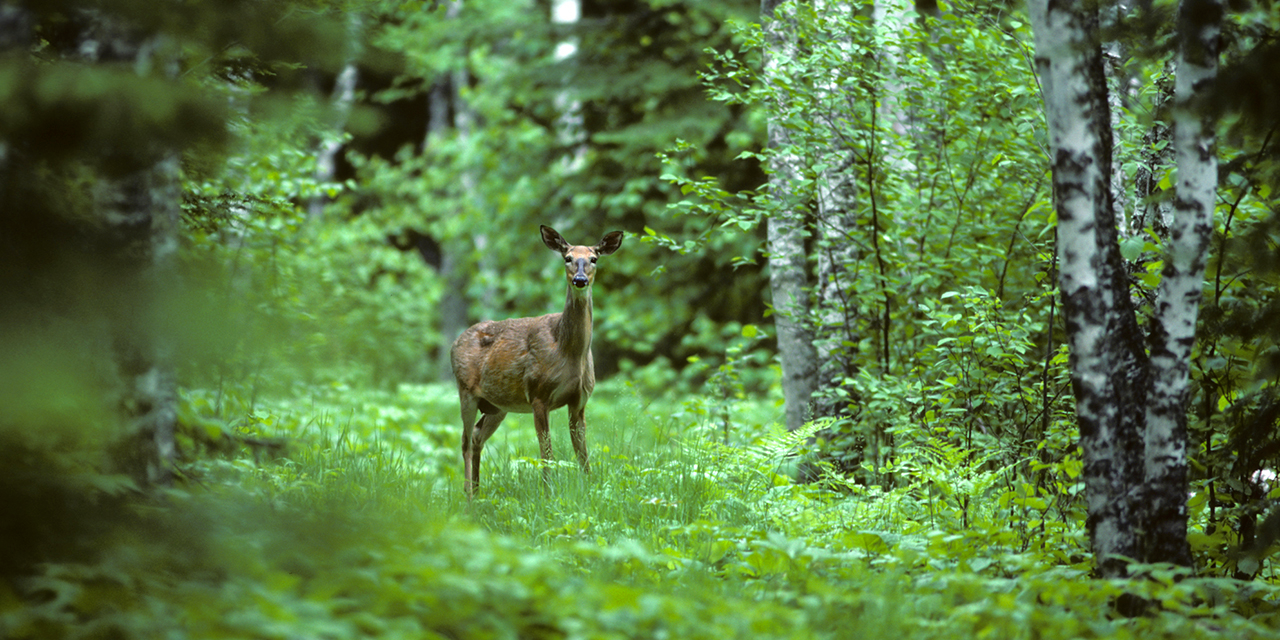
x,y
609,244
553,239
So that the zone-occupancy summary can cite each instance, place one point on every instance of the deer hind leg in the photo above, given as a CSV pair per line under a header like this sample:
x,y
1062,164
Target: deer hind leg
x,y
469,473
484,430
578,435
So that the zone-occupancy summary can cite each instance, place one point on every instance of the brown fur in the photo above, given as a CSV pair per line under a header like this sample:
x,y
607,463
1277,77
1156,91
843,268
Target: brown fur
x,y
531,365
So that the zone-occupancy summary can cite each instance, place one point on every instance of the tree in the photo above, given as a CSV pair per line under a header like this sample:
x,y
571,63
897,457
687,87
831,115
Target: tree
x,y
788,268
912,183
121,233
113,113
1130,404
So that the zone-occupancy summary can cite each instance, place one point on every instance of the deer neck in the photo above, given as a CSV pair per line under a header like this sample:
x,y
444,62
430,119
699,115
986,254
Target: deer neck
x,y
574,331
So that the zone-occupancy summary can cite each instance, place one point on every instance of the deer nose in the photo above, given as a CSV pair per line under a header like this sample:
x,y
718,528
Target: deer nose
x,y
580,279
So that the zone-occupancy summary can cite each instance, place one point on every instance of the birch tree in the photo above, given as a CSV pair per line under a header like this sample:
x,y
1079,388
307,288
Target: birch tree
x,y
1130,388
788,274
342,101
566,14
836,226
1178,296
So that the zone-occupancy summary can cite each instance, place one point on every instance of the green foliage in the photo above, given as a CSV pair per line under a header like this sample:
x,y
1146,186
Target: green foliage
x,y
319,490
359,529
944,324
480,185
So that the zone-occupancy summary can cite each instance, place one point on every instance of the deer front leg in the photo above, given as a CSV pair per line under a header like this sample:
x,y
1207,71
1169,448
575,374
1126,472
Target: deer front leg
x,y
578,435
543,430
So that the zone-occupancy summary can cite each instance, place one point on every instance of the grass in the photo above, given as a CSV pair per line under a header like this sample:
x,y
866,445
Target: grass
x,y
360,529
398,451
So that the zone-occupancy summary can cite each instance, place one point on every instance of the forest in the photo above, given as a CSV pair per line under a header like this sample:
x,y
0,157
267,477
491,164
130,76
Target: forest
x,y
917,319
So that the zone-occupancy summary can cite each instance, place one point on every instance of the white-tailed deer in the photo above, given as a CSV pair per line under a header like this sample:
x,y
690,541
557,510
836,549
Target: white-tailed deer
x,y
532,365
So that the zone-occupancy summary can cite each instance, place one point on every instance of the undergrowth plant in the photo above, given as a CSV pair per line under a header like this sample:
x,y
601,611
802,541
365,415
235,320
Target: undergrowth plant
x,y
356,526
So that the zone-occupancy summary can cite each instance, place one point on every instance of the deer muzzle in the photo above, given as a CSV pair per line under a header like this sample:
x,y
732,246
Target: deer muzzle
x,y
580,279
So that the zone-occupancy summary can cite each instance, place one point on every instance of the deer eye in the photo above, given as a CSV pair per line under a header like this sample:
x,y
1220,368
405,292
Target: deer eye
x,y
568,259
593,259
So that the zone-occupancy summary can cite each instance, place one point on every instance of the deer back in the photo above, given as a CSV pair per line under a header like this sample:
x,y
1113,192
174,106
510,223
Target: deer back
x,y
510,363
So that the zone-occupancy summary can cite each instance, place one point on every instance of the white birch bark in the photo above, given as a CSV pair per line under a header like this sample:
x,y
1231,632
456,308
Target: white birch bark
x,y
1181,283
1105,350
1112,56
567,13
788,275
836,226
342,100
836,269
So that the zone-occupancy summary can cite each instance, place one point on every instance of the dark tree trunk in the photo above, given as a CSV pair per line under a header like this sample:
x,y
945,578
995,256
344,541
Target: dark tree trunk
x,y
137,241
140,236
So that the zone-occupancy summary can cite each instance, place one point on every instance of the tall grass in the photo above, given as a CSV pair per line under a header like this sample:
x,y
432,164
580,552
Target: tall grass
x,y
395,452
672,534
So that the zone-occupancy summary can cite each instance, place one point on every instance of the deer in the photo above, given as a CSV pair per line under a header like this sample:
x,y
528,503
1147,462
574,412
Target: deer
x,y
532,365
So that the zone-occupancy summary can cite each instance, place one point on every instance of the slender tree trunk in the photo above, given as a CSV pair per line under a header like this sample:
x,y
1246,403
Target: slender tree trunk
x,y
836,344
1173,329
1155,155
140,236
788,262
571,128
344,97
836,254
1107,358
452,267
1113,54
448,110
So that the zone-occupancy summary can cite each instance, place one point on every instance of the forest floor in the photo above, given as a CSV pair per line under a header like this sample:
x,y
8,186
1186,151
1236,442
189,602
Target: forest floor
x,y
357,527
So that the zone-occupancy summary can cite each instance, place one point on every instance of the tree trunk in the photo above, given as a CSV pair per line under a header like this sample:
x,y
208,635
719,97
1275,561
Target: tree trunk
x,y
448,110
788,262
836,344
344,97
836,254
1173,328
570,126
1107,358
1156,153
1113,54
1131,407
140,235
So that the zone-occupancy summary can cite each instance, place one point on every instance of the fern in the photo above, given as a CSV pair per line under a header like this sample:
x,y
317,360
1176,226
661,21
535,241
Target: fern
x,y
779,443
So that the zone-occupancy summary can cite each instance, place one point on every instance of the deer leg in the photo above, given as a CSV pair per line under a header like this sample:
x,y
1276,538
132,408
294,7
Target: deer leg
x,y
578,435
469,405
484,429
541,427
